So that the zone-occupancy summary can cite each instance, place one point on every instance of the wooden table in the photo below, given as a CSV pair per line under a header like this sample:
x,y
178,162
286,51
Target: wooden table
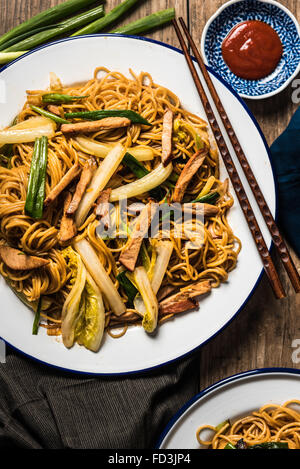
x,y
262,334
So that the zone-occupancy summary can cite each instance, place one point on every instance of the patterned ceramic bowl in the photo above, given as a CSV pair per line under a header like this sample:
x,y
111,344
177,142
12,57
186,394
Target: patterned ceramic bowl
x,y
271,12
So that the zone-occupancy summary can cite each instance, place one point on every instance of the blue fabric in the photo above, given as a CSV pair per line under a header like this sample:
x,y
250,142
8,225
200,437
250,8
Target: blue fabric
x,y
286,160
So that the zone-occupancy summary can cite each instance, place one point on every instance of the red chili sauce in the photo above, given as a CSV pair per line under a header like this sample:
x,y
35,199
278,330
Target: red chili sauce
x,y
252,50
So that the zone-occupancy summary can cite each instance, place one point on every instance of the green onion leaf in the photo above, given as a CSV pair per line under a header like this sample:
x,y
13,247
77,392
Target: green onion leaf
x,y
37,317
134,117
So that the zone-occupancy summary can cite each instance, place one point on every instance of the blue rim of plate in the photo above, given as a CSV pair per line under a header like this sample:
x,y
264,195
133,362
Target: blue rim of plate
x,y
213,387
272,13
152,368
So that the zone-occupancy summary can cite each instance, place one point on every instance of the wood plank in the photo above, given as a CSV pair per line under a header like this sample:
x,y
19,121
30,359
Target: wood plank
x,y
262,334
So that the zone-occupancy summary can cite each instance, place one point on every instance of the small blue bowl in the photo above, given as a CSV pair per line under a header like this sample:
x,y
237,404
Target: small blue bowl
x,y
272,13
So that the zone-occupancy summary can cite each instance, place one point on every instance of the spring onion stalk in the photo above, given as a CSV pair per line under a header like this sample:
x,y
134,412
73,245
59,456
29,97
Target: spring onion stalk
x,y
145,184
73,308
147,23
208,198
143,284
49,16
139,170
36,322
100,276
164,251
62,28
101,150
49,115
33,178
128,287
56,98
28,131
20,38
37,179
37,211
134,117
100,179
114,15
6,57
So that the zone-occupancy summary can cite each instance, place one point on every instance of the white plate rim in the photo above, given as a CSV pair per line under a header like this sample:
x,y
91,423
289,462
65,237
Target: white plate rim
x,y
219,384
250,114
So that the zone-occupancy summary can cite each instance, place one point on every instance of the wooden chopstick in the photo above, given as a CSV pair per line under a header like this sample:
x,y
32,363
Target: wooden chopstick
x,y
234,177
278,240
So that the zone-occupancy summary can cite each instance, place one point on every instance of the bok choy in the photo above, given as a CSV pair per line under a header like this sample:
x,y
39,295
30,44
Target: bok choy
x,y
100,179
101,150
73,308
100,276
143,284
154,179
90,327
28,131
164,251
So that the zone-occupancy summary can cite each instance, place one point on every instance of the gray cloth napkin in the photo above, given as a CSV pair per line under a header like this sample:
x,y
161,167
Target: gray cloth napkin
x,y
42,407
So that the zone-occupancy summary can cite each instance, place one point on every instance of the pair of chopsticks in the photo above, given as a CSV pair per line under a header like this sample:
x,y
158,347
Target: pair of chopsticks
x,y
253,225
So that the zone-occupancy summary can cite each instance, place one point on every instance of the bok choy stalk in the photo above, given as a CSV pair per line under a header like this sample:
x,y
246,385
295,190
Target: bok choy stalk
x,y
46,17
90,327
37,317
57,30
28,131
100,276
109,18
101,150
73,308
147,23
164,251
143,284
100,179
145,184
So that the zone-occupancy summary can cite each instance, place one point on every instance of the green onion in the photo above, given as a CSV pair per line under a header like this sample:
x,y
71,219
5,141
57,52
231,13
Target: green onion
x,y
139,170
57,30
147,23
208,199
6,57
270,445
37,179
98,115
111,17
128,287
20,38
221,425
229,446
56,98
37,212
37,317
49,16
50,115
33,178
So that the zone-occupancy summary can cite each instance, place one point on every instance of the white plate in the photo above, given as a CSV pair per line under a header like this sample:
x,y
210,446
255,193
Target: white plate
x,y
75,60
232,398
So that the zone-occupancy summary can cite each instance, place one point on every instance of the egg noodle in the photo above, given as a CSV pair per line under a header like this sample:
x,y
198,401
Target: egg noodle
x,y
271,423
111,90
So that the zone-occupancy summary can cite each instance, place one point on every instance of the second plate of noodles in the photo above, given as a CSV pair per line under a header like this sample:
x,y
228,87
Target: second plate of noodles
x,y
115,211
